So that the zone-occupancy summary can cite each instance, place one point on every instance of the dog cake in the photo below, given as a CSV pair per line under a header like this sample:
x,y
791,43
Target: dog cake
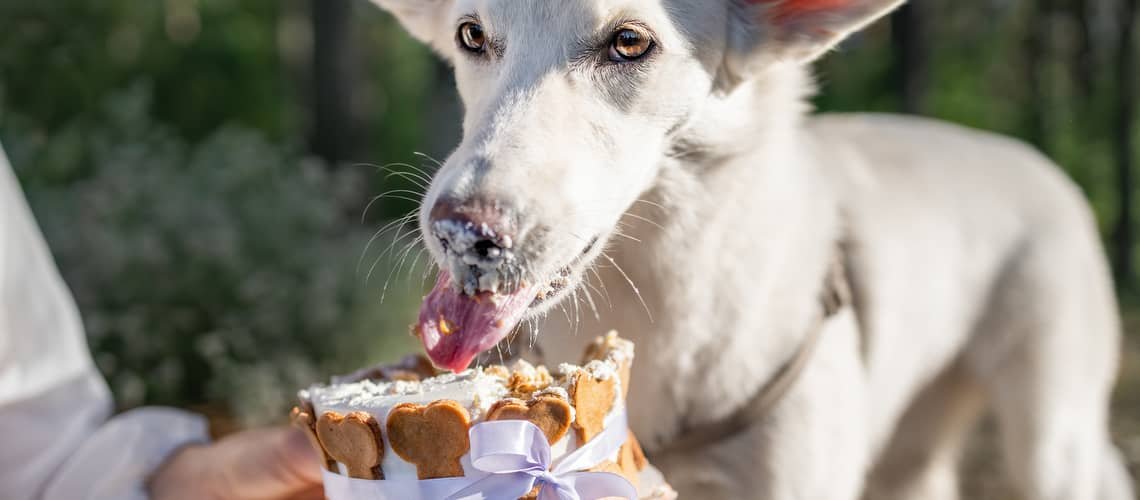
x,y
408,430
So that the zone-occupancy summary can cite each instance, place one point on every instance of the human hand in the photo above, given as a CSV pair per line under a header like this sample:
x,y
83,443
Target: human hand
x,y
266,464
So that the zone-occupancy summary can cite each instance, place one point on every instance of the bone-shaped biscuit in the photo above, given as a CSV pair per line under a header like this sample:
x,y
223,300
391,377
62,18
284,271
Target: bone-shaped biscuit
x,y
433,437
550,413
302,418
593,399
625,372
607,466
353,440
524,383
631,460
636,453
598,350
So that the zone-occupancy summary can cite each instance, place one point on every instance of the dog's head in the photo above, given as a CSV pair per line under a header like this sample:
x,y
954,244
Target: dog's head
x,y
570,104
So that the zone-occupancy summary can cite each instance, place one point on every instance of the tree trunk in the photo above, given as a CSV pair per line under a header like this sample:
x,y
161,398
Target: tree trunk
x,y
1123,237
1083,63
1037,53
334,129
909,51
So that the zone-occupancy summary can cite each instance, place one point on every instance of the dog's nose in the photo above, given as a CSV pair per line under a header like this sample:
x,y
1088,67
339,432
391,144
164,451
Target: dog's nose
x,y
478,231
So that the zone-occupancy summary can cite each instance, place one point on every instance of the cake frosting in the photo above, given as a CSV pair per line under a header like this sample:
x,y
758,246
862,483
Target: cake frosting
x,y
475,389
378,390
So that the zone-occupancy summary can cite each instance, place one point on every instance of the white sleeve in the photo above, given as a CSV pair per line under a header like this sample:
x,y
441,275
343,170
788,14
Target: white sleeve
x,y
54,406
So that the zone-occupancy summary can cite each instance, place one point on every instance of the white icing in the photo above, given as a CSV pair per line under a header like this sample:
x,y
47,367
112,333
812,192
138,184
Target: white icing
x,y
601,370
553,390
616,348
568,369
473,389
524,368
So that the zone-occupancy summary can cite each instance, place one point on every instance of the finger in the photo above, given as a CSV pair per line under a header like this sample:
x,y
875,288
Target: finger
x,y
267,464
315,493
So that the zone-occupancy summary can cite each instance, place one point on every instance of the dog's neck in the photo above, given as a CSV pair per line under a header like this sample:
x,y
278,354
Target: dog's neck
x,y
732,275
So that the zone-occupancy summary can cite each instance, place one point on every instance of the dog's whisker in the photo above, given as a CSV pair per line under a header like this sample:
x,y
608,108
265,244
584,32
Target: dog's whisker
x,y
590,301
645,219
537,329
390,195
405,198
428,268
566,313
391,192
605,293
651,203
399,265
391,246
428,157
418,173
400,235
499,349
364,213
410,178
415,264
416,169
636,291
620,234
399,221
395,223
375,166
577,313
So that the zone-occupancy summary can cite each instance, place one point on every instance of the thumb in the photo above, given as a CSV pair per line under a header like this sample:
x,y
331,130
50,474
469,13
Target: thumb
x,y
265,464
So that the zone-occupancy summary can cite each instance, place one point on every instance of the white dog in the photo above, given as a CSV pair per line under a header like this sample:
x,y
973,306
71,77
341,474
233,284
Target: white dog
x,y
668,142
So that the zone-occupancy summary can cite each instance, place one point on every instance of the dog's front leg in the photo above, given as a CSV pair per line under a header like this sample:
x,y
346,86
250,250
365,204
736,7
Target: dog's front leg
x,y
812,446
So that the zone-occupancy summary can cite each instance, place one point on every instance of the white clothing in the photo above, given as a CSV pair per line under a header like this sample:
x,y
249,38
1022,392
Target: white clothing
x,y
59,439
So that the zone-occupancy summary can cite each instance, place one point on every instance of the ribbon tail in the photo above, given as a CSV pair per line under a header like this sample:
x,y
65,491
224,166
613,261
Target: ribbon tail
x,y
588,486
551,491
496,486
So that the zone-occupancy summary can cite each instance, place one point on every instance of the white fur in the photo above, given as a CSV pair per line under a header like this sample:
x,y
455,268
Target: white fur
x,y
977,272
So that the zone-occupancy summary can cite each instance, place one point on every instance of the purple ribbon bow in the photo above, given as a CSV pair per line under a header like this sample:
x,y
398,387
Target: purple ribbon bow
x,y
516,455
511,457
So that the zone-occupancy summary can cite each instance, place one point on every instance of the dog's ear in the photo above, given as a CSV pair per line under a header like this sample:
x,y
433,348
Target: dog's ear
x,y
767,31
422,18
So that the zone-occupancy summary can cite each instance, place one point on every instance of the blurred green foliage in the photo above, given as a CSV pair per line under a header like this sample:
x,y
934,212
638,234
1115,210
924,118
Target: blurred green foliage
x,y
217,65
212,259
978,74
224,270
164,148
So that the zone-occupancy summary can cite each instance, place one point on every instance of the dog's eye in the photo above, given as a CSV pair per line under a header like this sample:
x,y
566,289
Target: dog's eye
x,y
630,43
472,37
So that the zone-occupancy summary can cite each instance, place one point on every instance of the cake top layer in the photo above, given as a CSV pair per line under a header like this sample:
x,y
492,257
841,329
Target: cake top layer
x,y
410,420
414,380
475,389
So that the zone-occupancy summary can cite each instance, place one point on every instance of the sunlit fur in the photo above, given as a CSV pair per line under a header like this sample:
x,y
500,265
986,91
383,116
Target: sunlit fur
x,y
978,274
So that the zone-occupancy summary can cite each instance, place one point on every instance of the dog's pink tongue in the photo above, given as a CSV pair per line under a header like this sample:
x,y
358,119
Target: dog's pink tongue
x,y
455,327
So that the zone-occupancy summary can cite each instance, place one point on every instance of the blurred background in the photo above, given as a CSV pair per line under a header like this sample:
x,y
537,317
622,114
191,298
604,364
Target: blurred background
x,y
222,182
